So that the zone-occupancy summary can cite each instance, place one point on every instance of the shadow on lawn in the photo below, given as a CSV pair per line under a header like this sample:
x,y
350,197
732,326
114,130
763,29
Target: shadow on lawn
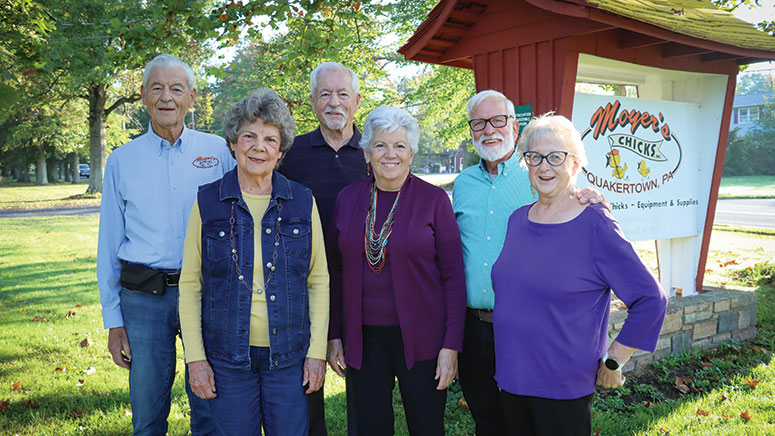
x,y
666,385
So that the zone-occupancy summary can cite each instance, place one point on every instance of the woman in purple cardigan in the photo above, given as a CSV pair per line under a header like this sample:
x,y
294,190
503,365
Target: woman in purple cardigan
x,y
397,284
552,284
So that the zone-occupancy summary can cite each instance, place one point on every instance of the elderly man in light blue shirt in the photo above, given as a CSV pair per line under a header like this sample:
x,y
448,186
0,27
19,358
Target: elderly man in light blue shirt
x,y
149,187
483,199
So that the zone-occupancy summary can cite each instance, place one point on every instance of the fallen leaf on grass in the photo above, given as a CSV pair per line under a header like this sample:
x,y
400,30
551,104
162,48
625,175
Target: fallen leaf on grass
x,y
663,430
759,349
31,405
648,404
463,403
19,294
39,319
127,412
752,383
80,382
59,369
22,310
86,342
727,263
77,413
723,397
70,314
745,416
597,433
78,305
727,416
16,386
701,412
4,405
90,370
681,385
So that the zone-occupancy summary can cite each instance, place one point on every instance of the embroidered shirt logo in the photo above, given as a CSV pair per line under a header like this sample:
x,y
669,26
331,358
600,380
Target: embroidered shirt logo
x,y
205,162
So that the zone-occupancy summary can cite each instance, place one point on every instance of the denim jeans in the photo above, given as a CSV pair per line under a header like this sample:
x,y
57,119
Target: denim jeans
x,y
152,325
261,396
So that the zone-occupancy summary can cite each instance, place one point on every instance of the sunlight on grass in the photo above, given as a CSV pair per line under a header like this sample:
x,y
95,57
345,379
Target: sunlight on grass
x,y
747,186
30,196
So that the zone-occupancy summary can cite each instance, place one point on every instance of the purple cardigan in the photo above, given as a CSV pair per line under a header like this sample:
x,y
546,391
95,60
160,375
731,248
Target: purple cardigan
x,y
426,266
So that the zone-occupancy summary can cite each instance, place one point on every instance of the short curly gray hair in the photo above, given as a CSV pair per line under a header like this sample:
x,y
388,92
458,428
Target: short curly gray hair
x,y
555,129
266,105
388,119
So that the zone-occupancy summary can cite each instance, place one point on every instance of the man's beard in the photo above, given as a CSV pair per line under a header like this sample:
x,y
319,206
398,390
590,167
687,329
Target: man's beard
x,y
492,154
335,125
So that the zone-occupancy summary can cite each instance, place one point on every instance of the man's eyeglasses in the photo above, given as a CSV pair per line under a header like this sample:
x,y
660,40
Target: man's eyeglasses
x,y
497,122
555,158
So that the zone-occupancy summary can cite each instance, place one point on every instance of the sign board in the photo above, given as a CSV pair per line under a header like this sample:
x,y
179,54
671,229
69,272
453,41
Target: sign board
x,y
643,157
524,112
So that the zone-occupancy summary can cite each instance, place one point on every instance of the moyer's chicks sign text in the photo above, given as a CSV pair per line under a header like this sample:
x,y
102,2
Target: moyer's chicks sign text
x,y
642,157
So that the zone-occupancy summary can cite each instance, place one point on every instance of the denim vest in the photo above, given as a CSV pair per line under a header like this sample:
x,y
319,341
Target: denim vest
x,y
226,302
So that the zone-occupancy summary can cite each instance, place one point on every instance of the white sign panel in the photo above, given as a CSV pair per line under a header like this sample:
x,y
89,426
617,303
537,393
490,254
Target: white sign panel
x,y
643,158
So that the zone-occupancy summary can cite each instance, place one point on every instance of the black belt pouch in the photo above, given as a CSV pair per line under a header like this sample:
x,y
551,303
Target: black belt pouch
x,y
137,277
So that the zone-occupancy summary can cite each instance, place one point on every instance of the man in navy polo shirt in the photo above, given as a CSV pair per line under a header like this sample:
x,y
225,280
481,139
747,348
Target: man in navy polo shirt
x,y
326,160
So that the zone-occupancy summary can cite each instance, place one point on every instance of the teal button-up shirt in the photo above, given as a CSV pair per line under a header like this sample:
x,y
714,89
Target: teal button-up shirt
x,y
482,207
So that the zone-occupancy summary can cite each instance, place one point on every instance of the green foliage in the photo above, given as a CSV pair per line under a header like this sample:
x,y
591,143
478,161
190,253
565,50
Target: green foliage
x,y
754,153
754,83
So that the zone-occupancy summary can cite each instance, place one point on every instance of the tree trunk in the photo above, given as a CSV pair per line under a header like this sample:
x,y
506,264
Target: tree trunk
x,y
97,144
25,175
40,170
67,169
51,170
76,168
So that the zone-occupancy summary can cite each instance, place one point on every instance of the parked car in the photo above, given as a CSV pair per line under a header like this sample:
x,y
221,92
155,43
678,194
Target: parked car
x,y
84,170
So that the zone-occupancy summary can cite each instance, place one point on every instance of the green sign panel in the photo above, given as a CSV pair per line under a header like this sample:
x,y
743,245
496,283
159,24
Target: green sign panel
x,y
524,112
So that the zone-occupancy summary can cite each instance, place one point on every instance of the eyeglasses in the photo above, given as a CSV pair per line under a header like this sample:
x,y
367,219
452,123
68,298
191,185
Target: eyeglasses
x,y
497,122
555,158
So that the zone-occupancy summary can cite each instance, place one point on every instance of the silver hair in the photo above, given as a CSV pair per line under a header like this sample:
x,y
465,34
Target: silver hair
x,y
325,66
167,60
552,128
263,104
389,119
484,95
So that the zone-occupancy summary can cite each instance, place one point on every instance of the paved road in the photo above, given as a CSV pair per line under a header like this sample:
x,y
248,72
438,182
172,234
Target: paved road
x,y
22,213
746,213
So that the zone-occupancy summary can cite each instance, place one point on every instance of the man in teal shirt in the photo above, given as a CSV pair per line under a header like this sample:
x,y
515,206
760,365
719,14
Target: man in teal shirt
x,y
483,199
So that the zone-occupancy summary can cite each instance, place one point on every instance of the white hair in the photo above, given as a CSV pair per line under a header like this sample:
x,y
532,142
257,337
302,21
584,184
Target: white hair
x,y
167,60
484,95
389,119
553,128
325,66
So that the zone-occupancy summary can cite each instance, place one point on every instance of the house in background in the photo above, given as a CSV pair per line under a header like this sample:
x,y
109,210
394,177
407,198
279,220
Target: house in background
x,y
746,110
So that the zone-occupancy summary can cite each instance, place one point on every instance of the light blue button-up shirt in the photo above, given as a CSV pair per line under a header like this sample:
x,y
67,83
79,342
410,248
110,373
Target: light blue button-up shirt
x,y
482,207
147,193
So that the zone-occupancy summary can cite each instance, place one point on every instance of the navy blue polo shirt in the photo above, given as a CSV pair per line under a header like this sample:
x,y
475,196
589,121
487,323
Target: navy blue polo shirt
x,y
314,164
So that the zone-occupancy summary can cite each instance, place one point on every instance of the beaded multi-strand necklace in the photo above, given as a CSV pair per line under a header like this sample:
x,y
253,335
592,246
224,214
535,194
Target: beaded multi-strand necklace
x,y
375,244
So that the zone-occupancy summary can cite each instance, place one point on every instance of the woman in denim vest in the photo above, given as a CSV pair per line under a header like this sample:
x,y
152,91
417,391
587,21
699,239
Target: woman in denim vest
x,y
254,286
397,284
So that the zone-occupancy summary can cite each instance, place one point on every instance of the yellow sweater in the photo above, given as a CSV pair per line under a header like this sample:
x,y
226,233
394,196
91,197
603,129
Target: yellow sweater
x,y
190,286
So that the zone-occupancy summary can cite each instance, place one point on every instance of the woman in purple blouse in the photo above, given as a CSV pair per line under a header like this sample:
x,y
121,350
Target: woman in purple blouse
x,y
397,284
552,284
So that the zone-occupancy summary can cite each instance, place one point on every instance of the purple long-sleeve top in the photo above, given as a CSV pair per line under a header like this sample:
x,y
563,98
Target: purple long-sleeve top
x,y
426,265
552,285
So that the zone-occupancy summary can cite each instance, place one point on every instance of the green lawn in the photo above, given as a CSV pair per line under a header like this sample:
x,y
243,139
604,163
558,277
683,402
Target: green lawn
x,y
747,187
49,305
15,195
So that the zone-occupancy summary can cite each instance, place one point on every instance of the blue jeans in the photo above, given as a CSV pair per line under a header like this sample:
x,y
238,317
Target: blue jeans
x,y
152,325
261,396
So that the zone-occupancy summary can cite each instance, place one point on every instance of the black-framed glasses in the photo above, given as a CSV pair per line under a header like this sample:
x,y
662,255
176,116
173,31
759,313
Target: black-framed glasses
x,y
555,158
497,122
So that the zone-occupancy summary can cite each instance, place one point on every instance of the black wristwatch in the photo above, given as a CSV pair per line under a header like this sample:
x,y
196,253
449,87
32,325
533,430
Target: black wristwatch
x,y
611,363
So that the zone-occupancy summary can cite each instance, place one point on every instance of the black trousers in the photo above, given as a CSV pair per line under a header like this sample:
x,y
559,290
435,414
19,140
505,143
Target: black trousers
x,y
533,416
477,372
383,362
317,413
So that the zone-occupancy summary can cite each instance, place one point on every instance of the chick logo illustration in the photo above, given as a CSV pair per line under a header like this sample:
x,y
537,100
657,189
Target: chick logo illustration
x,y
643,169
613,160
